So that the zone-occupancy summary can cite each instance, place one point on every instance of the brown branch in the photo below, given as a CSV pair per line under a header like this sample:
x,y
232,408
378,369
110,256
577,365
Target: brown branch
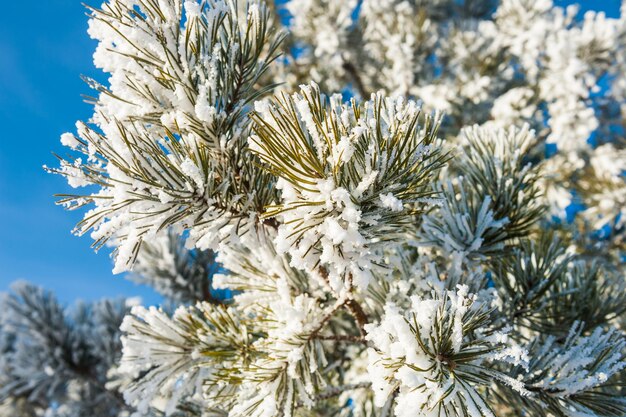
x,y
356,310
349,68
386,410
352,305
271,222
206,291
327,317
359,315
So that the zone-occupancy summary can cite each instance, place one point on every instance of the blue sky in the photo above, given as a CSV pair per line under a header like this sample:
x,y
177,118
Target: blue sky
x,y
44,49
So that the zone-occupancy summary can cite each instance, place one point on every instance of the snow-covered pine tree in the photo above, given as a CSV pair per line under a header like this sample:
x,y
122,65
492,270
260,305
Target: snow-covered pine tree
x,y
55,361
417,205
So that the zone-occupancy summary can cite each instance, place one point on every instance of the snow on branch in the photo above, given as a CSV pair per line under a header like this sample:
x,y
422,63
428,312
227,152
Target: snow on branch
x,y
436,356
350,176
200,349
580,376
166,143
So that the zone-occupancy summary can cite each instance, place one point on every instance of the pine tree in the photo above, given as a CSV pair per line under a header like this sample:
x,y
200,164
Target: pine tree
x,y
411,208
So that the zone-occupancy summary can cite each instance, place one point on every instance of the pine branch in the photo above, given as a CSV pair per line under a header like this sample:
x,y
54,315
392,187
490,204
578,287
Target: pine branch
x,y
437,354
332,160
583,374
168,148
